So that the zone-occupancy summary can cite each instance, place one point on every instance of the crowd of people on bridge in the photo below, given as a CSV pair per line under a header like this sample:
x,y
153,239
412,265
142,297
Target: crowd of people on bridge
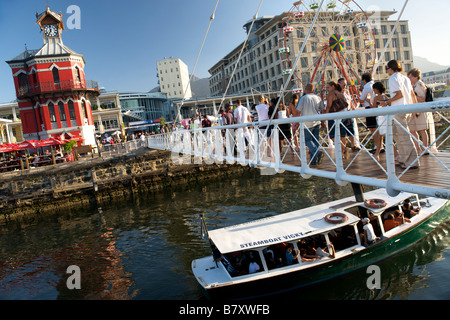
x,y
404,89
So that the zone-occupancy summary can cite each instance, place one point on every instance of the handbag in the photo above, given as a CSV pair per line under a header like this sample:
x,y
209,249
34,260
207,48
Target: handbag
x,y
338,105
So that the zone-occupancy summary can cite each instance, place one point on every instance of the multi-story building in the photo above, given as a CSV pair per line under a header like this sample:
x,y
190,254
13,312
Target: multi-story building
x,y
51,87
262,66
173,76
143,110
10,124
437,77
107,113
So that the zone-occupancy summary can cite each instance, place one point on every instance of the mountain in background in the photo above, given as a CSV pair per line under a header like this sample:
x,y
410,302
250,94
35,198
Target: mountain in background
x,y
425,65
200,87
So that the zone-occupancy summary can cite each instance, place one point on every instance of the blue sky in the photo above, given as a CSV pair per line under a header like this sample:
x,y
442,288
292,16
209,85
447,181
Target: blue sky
x,y
122,40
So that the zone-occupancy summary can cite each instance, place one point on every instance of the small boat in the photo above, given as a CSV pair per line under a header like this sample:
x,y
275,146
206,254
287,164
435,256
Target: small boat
x,y
311,245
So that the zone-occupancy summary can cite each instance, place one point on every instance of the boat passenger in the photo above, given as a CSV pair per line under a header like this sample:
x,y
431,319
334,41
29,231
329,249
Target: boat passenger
x,y
270,260
290,256
390,223
398,216
408,209
253,266
218,256
324,251
368,237
304,256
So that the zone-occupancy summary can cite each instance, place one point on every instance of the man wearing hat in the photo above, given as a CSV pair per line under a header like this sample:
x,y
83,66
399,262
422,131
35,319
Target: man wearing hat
x,y
368,237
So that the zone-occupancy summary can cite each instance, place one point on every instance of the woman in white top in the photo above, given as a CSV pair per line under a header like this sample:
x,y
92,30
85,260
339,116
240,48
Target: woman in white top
x,y
401,94
419,121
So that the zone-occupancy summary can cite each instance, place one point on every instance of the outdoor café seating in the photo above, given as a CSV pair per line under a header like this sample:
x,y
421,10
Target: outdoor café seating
x,y
32,154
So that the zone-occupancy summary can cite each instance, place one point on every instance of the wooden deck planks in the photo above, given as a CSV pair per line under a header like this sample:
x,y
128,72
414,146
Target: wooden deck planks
x,y
430,173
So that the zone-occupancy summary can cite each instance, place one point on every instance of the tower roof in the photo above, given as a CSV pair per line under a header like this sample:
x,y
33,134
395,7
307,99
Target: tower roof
x,y
49,16
51,48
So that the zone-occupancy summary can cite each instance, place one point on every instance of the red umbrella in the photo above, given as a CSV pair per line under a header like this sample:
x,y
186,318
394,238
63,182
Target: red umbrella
x,y
27,144
8,147
49,142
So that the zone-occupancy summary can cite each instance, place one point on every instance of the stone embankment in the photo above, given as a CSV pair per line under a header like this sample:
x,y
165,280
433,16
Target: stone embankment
x,y
98,180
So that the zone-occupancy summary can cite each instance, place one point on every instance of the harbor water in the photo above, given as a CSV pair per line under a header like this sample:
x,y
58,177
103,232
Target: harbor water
x,y
143,248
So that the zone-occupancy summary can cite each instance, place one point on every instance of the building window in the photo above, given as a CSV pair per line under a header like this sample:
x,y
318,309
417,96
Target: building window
x,y
23,80
77,74
405,42
394,43
72,116
51,111
62,112
304,62
83,107
406,55
55,72
403,29
34,77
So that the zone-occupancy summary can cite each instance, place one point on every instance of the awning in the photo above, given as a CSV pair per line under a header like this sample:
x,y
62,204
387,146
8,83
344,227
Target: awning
x,y
27,144
50,142
292,225
8,147
277,229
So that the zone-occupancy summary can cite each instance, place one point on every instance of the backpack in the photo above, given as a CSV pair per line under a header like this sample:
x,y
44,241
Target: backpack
x,y
429,95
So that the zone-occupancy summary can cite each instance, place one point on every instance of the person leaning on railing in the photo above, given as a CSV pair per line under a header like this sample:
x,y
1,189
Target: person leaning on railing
x,y
401,94
418,123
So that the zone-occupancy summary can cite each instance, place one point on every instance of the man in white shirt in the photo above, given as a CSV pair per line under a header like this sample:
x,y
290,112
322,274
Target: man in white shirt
x,y
242,115
369,236
367,94
366,100
311,104
402,93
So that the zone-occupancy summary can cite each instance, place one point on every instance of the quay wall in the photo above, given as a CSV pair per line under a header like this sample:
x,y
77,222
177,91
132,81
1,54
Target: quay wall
x,y
95,181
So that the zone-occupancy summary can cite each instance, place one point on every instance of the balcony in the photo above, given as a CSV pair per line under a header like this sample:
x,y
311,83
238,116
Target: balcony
x,y
37,88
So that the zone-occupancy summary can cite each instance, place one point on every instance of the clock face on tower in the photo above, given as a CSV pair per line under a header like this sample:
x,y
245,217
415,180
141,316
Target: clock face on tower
x,y
51,30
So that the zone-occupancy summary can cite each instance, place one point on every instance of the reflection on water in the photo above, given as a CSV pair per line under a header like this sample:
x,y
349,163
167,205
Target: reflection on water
x,y
142,249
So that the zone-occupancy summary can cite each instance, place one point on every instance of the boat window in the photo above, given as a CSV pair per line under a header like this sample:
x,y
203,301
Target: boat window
x,y
243,262
314,247
375,224
343,238
359,211
275,255
401,214
307,250
411,207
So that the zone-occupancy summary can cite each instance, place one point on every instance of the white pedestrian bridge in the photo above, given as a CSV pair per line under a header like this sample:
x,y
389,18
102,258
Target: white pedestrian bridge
x,y
249,144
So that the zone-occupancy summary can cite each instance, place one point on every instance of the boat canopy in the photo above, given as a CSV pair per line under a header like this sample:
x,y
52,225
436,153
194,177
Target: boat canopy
x,y
292,225
276,229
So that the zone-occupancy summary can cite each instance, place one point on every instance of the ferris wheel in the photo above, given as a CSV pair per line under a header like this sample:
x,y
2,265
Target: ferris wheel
x,y
341,44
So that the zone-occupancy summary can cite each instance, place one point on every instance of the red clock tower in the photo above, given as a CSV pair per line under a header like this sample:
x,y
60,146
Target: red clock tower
x,y
51,87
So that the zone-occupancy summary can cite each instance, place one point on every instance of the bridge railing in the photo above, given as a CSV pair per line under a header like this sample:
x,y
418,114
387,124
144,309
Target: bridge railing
x,y
258,144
